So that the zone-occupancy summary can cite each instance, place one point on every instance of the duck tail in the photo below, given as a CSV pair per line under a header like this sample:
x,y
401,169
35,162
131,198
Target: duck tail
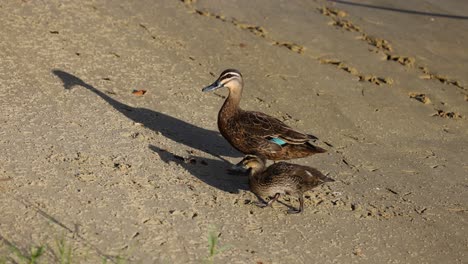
x,y
324,178
312,137
315,149
327,179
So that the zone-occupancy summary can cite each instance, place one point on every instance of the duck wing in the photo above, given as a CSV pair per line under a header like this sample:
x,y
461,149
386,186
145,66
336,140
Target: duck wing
x,y
272,129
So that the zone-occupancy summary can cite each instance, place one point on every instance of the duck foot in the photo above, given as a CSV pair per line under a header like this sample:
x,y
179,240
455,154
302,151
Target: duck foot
x,y
294,211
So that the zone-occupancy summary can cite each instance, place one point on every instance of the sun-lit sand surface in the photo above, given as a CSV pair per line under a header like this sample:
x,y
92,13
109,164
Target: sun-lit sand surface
x,y
142,177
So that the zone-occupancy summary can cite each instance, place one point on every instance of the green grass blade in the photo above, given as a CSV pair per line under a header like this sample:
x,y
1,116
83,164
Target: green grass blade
x,y
19,254
36,253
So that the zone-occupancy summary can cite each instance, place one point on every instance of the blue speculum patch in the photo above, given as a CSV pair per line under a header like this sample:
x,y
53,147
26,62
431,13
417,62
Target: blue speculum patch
x,y
278,141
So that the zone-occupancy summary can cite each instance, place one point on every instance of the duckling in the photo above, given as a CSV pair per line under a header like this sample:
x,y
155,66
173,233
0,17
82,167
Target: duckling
x,y
281,178
256,133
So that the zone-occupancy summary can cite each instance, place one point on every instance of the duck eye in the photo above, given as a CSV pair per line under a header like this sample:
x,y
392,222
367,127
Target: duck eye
x,y
229,75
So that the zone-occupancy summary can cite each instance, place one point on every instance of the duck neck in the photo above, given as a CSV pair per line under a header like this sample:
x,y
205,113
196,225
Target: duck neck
x,y
231,105
256,171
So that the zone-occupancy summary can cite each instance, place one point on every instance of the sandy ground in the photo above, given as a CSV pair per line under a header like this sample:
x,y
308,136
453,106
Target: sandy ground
x,y
144,178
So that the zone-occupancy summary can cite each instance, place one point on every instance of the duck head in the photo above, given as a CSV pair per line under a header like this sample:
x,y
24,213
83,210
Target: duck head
x,y
252,164
230,78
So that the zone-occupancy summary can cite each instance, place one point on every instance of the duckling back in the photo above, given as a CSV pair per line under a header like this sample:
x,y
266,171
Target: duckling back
x,y
302,178
281,178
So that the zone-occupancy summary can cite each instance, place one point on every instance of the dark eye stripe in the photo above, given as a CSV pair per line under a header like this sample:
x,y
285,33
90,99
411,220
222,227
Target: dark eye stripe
x,y
227,76
230,71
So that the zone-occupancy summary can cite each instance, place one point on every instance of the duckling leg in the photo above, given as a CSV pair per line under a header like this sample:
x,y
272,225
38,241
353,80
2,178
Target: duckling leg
x,y
301,206
274,199
261,203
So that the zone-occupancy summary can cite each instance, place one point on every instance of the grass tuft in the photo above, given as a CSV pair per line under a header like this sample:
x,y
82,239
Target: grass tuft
x,y
64,252
36,253
213,248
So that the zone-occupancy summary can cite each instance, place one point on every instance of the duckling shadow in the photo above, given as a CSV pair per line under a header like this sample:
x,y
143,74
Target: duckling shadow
x,y
209,171
180,131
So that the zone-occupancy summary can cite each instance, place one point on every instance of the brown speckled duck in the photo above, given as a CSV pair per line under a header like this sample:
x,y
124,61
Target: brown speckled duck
x,y
281,178
256,133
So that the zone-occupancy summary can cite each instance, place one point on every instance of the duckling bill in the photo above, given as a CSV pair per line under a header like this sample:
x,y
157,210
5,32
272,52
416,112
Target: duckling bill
x,y
281,178
256,133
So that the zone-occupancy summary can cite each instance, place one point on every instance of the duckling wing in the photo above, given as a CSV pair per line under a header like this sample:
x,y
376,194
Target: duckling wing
x,y
270,128
289,175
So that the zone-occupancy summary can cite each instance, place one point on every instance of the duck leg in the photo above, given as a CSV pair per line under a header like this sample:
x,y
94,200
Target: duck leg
x,y
301,206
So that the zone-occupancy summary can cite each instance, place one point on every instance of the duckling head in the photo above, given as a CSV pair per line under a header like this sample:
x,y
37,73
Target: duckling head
x,y
230,78
252,164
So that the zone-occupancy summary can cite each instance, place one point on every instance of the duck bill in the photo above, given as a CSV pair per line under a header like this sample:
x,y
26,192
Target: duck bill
x,y
212,87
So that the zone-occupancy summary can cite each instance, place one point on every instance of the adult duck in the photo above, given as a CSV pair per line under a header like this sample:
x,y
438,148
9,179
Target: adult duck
x,y
257,133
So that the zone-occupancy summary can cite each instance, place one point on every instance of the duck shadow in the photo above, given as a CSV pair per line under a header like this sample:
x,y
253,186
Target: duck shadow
x,y
210,171
208,141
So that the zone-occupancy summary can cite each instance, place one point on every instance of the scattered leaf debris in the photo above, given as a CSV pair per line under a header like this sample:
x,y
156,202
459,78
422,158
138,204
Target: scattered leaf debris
x,y
208,14
188,160
177,157
139,92
375,79
291,46
346,24
143,27
332,12
427,75
420,97
340,65
377,42
115,54
257,30
358,252
406,61
457,210
451,115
